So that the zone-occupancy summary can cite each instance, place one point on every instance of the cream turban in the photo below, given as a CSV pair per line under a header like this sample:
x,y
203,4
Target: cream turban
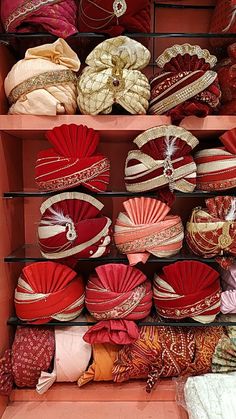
x,y
44,82
112,76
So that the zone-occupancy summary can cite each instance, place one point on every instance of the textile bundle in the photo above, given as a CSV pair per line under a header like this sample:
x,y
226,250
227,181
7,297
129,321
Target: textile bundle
x,y
71,228
113,76
57,17
186,84
187,289
44,82
116,295
47,291
72,161
146,228
163,160
211,231
223,21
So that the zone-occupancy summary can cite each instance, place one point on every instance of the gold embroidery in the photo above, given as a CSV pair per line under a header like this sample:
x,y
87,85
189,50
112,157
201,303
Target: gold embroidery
x,y
183,49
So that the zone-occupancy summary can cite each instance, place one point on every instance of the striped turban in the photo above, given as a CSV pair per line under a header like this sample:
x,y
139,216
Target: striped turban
x,y
116,295
146,228
72,161
48,290
187,289
163,159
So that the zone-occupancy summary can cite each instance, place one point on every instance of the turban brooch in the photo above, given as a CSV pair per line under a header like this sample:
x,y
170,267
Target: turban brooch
x,y
116,295
71,227
187,289
211,231
32,352
112,76
48,290
44,82
186,84
216,167
146,228
223,21
163,159
72,161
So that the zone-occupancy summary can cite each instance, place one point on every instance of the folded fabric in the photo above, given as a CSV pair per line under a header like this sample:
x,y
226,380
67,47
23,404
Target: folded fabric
x,y
117,332
163,159
224,357
48,290
114,17
113,76
72,161
211,231
228,278
186,85
71,228
32,352
223,21
187,289
44,82
146,228
57,17
228,302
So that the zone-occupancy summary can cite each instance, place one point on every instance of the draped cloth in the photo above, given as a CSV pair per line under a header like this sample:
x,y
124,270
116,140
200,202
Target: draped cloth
x,y
47,291
146,228
72,228
116,295
162,160
57,17
72,160
113,76
44,82
32,352
187,289
211,231
223,21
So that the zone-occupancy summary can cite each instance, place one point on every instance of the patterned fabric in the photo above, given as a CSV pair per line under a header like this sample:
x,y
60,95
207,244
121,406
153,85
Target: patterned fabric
x,y
146,228
72,161
112,76
223,21
224,357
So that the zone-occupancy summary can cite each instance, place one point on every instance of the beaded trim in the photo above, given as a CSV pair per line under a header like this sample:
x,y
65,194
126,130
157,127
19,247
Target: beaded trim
x,y
40,81
191,50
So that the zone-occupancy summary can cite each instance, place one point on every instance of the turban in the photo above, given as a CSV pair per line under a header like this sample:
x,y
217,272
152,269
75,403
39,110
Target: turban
x,y
44,82
72,356
112,76
32,352
57,17
72,160
114,17
216,167
146,228
223,21
187,289
228,278
227,79
117,291
186,84
163,159
211,231
48,290
71,227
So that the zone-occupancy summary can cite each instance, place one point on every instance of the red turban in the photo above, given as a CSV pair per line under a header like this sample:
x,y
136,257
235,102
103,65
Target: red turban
x,y
223,21
227,79
211,231
72,227
32,352
72,160
187,289
186,85
117,291
163,159
48,290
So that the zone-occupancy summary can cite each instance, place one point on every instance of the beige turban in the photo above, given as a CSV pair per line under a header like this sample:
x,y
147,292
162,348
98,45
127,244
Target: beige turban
x,y
113,76
44,82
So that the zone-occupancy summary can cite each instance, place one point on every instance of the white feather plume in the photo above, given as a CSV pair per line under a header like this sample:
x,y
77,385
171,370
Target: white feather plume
x,y
231,216
171,147
57,217
232,19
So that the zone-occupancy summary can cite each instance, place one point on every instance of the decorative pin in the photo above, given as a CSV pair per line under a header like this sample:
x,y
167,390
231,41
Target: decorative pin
x,y
71,233
119,7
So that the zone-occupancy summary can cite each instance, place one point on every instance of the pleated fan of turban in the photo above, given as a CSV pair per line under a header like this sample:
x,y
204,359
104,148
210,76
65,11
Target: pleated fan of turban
x,y
211,231
72,227
44,82
187,289
162,160
113,76
116,295
48,290
72,161
146,228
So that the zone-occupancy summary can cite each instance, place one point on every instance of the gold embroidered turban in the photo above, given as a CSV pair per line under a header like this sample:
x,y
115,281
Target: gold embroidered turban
x,y
113,76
